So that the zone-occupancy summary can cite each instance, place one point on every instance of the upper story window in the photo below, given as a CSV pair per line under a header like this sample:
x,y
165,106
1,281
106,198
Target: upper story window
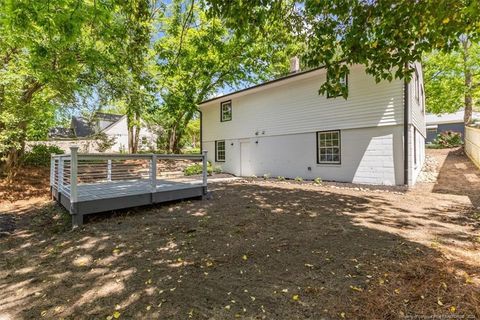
x,y
343,84
220,151
422,100
226,111
328,147
416,85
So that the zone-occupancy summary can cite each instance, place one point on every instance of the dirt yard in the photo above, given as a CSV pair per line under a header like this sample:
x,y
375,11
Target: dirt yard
x,y
256,250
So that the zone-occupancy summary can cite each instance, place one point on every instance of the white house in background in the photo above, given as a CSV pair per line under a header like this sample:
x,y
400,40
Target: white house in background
x,y
285,128
114,126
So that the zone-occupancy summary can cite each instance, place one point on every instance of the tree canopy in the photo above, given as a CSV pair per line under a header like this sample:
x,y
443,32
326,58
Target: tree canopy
x,y
383,35
158,60
197,55
452,79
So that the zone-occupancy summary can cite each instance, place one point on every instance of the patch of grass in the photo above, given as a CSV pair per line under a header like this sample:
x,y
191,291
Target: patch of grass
x,y
317,180
280,178
298,179
197,168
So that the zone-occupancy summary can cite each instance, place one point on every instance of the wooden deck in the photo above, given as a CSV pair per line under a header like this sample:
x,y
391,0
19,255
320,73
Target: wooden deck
x,y
99,194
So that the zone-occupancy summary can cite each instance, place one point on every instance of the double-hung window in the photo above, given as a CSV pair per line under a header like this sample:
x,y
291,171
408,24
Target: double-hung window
x,y
417,86
328,147
226,111
220,151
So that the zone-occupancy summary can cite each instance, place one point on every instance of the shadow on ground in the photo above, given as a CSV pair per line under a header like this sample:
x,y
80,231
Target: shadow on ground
x,y
459,176
253,251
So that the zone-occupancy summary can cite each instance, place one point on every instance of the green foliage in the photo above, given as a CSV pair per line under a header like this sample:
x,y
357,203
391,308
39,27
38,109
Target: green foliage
x,y
448,139
104,142
40,155
452,80
280,178
298,179
317,180
266,176
192,151
51,52
197,55
383,35
197,168
191,138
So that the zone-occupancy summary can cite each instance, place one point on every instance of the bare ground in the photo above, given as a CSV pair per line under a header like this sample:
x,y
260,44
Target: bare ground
x,y
256,250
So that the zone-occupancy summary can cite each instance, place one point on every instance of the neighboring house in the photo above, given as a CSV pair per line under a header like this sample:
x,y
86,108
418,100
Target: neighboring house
x,y
112,126
285,128
438,123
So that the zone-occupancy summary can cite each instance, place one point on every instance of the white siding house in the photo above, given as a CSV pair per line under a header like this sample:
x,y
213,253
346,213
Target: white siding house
x,y
285,128
119,130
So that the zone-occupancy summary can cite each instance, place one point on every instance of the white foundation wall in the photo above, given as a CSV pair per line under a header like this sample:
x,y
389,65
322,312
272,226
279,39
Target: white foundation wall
x,y
369,155
416,154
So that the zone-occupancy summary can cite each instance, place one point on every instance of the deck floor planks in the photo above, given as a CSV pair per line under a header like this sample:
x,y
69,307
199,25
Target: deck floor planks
x,y
114,189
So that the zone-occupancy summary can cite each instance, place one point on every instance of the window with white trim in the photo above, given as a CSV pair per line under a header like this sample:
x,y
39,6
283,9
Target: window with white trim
x,y
226,111
417,85
220,151
328,147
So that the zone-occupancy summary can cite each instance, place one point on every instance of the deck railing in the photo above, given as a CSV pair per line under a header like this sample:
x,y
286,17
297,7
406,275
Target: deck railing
x,y
69,171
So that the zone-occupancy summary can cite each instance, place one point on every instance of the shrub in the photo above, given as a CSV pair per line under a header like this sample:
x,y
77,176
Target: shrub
x,y
280,178
266,176
192,151
104,142
198,167
40,155
317,180
299,179
449,139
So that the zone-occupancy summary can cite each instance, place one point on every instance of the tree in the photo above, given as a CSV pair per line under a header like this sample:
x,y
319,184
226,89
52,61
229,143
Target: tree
x,y
132,85
452,79
385,36
48,52
197,55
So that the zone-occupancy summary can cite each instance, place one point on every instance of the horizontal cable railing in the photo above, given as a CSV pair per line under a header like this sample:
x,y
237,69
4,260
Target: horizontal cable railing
x,y
107,175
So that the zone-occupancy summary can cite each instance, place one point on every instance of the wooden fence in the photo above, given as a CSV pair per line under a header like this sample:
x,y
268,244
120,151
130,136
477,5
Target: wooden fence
x,y
472,144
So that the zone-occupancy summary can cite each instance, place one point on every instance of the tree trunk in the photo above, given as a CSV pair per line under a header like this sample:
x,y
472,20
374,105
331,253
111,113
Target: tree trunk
x,y
130,138
468,99
172,139
15,154
136,135
136,138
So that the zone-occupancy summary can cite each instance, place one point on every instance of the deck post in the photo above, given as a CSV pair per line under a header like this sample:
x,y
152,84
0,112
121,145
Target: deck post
x,y
153,173
204,171
77,218
109,170
52,169
60,174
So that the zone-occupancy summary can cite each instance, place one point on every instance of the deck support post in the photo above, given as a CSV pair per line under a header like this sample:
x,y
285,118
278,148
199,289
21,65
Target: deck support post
x,y
77,219
205,171
60,174
153,173
52,169
109,170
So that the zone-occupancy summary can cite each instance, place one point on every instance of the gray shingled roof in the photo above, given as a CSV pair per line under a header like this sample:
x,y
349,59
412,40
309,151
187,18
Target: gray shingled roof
x,y
81,127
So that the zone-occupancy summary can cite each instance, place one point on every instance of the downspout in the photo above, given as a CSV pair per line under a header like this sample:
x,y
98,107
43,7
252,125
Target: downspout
x,y
201,131
406,109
